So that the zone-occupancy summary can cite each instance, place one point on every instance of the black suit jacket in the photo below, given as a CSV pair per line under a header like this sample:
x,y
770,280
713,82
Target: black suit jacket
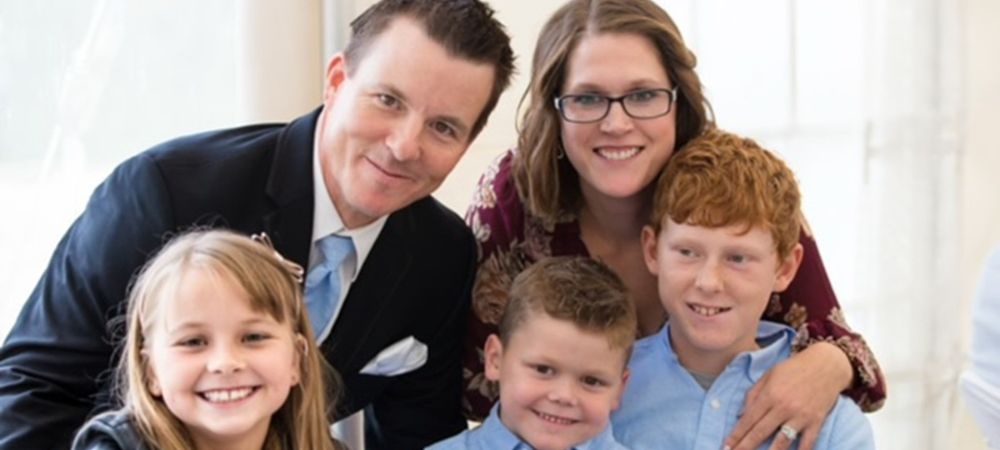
x,y
54,365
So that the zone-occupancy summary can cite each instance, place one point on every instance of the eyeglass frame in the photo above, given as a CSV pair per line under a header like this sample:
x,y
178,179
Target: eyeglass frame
x,y
611,100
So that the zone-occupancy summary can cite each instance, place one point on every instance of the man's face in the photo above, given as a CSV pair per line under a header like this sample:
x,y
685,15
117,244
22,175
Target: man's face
x,y
396,122
558,383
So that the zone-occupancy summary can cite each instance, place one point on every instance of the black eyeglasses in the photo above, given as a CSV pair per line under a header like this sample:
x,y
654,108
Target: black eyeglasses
x,y
644,104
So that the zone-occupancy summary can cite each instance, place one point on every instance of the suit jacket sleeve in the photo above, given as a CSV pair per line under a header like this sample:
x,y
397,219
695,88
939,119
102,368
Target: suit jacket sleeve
x,y
54,364
423,407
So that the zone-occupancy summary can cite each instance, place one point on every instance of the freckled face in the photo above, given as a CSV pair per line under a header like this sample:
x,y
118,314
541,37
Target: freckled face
x,y
715,284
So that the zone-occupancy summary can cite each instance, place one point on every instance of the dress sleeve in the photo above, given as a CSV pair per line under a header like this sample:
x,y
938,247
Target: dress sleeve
x,y
497,220
810,306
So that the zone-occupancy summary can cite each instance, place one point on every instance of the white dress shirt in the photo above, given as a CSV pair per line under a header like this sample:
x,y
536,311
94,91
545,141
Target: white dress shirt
x,y
327,221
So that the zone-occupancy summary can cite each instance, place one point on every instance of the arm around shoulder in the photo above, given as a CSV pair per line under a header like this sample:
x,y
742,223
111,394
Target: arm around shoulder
x,y
810,306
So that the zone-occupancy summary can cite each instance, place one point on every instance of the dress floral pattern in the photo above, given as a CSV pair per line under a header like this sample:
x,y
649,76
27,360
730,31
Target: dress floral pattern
x,y
509,240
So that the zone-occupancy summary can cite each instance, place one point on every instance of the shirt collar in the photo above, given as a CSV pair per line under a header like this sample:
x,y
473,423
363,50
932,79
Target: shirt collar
x,y
327,221
499,436
774,340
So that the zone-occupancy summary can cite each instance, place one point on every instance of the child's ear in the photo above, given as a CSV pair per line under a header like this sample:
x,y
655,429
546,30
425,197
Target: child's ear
x,y
649,246
621,390
301,351
788,268
151,382
493,354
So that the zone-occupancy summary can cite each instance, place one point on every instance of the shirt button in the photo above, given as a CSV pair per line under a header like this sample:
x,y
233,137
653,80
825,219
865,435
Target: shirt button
x,y
715,403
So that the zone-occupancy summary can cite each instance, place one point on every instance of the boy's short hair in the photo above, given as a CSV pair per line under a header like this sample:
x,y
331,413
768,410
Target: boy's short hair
x,y
467,28
579,290
720,179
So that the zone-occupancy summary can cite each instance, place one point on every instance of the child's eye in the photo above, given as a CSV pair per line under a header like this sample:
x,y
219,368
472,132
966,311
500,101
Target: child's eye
x,y
542,369
686,252
191,342
255,337
738,259
593,381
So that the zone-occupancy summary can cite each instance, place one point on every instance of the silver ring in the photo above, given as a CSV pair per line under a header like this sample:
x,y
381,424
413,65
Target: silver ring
x,y
789,432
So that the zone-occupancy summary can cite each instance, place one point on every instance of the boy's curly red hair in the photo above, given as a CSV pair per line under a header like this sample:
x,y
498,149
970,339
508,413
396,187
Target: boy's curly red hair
x,y
720,179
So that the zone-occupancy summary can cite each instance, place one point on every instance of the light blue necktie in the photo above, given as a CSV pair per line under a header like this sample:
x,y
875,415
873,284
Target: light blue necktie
x,y
323,283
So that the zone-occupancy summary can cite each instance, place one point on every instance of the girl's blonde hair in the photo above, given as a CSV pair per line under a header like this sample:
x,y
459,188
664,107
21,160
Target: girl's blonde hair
x,y
302,422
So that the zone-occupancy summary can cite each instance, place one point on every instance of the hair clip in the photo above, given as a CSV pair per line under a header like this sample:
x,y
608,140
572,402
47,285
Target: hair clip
x,y
294,269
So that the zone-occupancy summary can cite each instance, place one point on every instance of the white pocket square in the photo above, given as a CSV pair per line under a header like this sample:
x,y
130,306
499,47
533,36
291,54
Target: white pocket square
x,y
404,356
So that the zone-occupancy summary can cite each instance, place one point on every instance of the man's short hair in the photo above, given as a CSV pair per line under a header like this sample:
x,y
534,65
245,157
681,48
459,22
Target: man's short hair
x,y
720,179
466,28
579,290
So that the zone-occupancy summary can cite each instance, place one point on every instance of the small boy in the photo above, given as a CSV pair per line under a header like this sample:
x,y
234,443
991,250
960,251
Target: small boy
x,y
724,237
560,360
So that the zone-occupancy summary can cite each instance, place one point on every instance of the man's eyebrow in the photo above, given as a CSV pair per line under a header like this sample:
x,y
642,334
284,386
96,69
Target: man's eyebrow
x,y
392,90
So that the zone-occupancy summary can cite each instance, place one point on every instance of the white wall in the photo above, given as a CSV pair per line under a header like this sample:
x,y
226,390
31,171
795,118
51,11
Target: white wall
x,y
980,165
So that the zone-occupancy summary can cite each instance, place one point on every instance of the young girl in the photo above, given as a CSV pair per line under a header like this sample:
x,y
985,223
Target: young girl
x,y
218,354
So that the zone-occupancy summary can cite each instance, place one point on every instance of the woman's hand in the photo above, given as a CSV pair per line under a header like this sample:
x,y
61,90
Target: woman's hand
x,y
798,394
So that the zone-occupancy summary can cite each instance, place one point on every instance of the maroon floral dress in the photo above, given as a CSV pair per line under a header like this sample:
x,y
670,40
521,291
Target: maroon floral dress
x,y
509,240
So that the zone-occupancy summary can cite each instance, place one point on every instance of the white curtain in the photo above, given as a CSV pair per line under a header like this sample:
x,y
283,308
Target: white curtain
x,y
86,84
908,254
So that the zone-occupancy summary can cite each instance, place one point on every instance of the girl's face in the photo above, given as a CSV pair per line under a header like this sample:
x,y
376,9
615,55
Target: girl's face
x,y
221,368
618,156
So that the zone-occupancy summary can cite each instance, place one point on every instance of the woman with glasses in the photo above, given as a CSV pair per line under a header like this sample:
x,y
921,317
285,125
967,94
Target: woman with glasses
x,y
613,93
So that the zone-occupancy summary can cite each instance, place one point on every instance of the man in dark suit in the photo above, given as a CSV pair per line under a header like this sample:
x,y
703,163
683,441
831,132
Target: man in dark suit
x,y
401,105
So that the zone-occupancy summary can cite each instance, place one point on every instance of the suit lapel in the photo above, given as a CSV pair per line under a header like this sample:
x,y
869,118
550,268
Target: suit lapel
x,y
290,187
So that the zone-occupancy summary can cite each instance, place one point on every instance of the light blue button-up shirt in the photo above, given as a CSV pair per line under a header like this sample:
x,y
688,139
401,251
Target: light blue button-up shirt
x,y
665,408
494,435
